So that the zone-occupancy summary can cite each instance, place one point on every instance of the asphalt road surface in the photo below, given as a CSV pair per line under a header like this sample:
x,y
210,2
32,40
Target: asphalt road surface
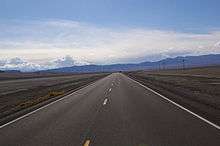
x,y
114,111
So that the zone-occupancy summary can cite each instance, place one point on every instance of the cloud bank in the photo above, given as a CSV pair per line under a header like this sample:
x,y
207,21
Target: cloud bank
x,y
43,40
25,66
18,64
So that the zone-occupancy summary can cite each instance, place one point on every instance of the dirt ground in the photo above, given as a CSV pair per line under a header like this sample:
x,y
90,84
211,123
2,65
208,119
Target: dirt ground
x,y
19,91
30,75
210,71
197,89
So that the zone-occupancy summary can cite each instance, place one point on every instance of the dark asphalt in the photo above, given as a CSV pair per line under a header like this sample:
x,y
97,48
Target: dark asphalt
x,y
130,116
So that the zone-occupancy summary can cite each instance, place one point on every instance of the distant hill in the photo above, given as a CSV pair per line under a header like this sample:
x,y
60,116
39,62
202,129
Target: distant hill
x,y
168,63
11,71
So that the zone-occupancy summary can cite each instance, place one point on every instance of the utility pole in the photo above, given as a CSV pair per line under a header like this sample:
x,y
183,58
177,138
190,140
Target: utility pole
x,y
163,64
183,61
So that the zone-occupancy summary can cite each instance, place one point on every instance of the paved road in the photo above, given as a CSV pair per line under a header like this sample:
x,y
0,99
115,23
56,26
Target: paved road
x,y
114,111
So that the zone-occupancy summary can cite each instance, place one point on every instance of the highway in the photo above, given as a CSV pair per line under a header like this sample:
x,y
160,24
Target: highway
x,y
113,111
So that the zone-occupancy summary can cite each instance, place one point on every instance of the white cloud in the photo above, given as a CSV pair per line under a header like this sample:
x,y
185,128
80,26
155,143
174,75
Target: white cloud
x,y
68,61
217,44
16,61
18,64
23,65
55,38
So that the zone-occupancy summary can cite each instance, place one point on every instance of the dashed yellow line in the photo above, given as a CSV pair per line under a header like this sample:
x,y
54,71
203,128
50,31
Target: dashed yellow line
x,y
87,143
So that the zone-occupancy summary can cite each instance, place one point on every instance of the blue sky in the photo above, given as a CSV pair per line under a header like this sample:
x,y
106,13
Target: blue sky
x,y
181,15
107,31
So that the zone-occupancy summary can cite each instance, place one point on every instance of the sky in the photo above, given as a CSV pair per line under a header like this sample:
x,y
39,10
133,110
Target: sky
x,y
54,33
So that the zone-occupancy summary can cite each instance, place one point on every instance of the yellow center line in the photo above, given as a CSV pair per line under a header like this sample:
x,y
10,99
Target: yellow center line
x,y
87,143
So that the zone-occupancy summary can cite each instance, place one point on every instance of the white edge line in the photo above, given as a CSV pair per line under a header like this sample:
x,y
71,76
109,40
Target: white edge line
x,y
183,108
34,111
21,117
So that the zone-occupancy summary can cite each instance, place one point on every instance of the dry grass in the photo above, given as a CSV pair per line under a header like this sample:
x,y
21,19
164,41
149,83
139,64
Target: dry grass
x,y
35,101
55,93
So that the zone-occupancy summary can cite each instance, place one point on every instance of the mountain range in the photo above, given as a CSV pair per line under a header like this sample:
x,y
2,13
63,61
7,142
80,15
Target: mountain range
x,y
168,63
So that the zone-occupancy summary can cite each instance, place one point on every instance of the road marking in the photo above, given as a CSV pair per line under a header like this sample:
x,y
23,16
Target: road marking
x,y
62,98
33,111
110,90
105,101
87,143
176,104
